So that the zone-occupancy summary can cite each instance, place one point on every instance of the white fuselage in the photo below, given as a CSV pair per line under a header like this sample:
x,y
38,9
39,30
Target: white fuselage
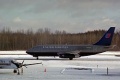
x,y
7,64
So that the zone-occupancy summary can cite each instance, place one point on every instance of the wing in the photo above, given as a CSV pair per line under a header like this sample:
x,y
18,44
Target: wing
x,y
31,64
74,52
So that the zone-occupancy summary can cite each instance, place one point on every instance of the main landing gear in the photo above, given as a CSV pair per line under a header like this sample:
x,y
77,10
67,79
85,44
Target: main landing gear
x,y
17,71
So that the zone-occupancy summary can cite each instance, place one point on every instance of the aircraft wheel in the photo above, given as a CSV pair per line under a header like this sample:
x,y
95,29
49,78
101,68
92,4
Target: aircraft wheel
x,y
14,71
71,58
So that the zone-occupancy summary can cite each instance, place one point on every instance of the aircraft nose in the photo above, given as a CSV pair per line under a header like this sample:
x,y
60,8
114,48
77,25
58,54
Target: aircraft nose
x,y
29,50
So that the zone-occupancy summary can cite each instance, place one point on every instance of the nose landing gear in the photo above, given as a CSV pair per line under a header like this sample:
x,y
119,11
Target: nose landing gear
x,y
37,58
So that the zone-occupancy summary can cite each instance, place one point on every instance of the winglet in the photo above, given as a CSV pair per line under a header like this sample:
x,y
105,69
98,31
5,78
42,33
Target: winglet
x,y
107,38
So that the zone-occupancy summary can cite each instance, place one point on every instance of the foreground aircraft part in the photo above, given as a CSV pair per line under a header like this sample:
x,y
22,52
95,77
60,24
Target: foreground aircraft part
x,y
6,63
81,69
74,51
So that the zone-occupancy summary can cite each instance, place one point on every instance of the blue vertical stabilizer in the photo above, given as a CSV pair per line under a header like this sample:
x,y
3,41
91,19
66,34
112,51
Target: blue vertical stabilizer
x,y
107,38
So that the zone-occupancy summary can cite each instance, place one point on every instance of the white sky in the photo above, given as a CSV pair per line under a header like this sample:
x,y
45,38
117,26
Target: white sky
x,y
70,15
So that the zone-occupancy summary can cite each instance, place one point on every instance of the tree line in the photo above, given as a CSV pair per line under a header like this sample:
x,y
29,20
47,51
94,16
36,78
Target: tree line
x,y
23,40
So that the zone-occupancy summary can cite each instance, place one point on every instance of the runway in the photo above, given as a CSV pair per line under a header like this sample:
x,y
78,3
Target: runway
x,y
88,68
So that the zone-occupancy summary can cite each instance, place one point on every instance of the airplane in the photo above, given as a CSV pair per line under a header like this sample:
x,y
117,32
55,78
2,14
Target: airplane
x,y
9,63
74,51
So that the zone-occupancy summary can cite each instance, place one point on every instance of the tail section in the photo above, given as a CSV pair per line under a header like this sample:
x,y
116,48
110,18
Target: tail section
x,y
107,38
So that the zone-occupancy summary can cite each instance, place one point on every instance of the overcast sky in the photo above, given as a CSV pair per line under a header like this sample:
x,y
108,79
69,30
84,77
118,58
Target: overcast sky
x,y
70,15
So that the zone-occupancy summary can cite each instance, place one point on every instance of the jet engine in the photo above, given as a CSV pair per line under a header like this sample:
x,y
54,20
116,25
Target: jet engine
x,y
68,55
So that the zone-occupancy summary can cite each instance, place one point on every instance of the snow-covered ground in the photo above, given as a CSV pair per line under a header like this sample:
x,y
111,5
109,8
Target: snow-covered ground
x,y
62,69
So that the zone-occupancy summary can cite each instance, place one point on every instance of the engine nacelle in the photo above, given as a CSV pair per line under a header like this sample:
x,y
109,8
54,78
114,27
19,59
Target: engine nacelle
x,y
70,56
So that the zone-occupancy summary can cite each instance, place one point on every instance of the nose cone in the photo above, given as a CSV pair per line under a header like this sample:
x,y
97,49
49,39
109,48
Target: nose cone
x,y
32,50
29,51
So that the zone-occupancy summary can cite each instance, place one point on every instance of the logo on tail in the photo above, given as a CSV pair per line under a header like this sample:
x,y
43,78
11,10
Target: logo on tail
x,y
108,35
